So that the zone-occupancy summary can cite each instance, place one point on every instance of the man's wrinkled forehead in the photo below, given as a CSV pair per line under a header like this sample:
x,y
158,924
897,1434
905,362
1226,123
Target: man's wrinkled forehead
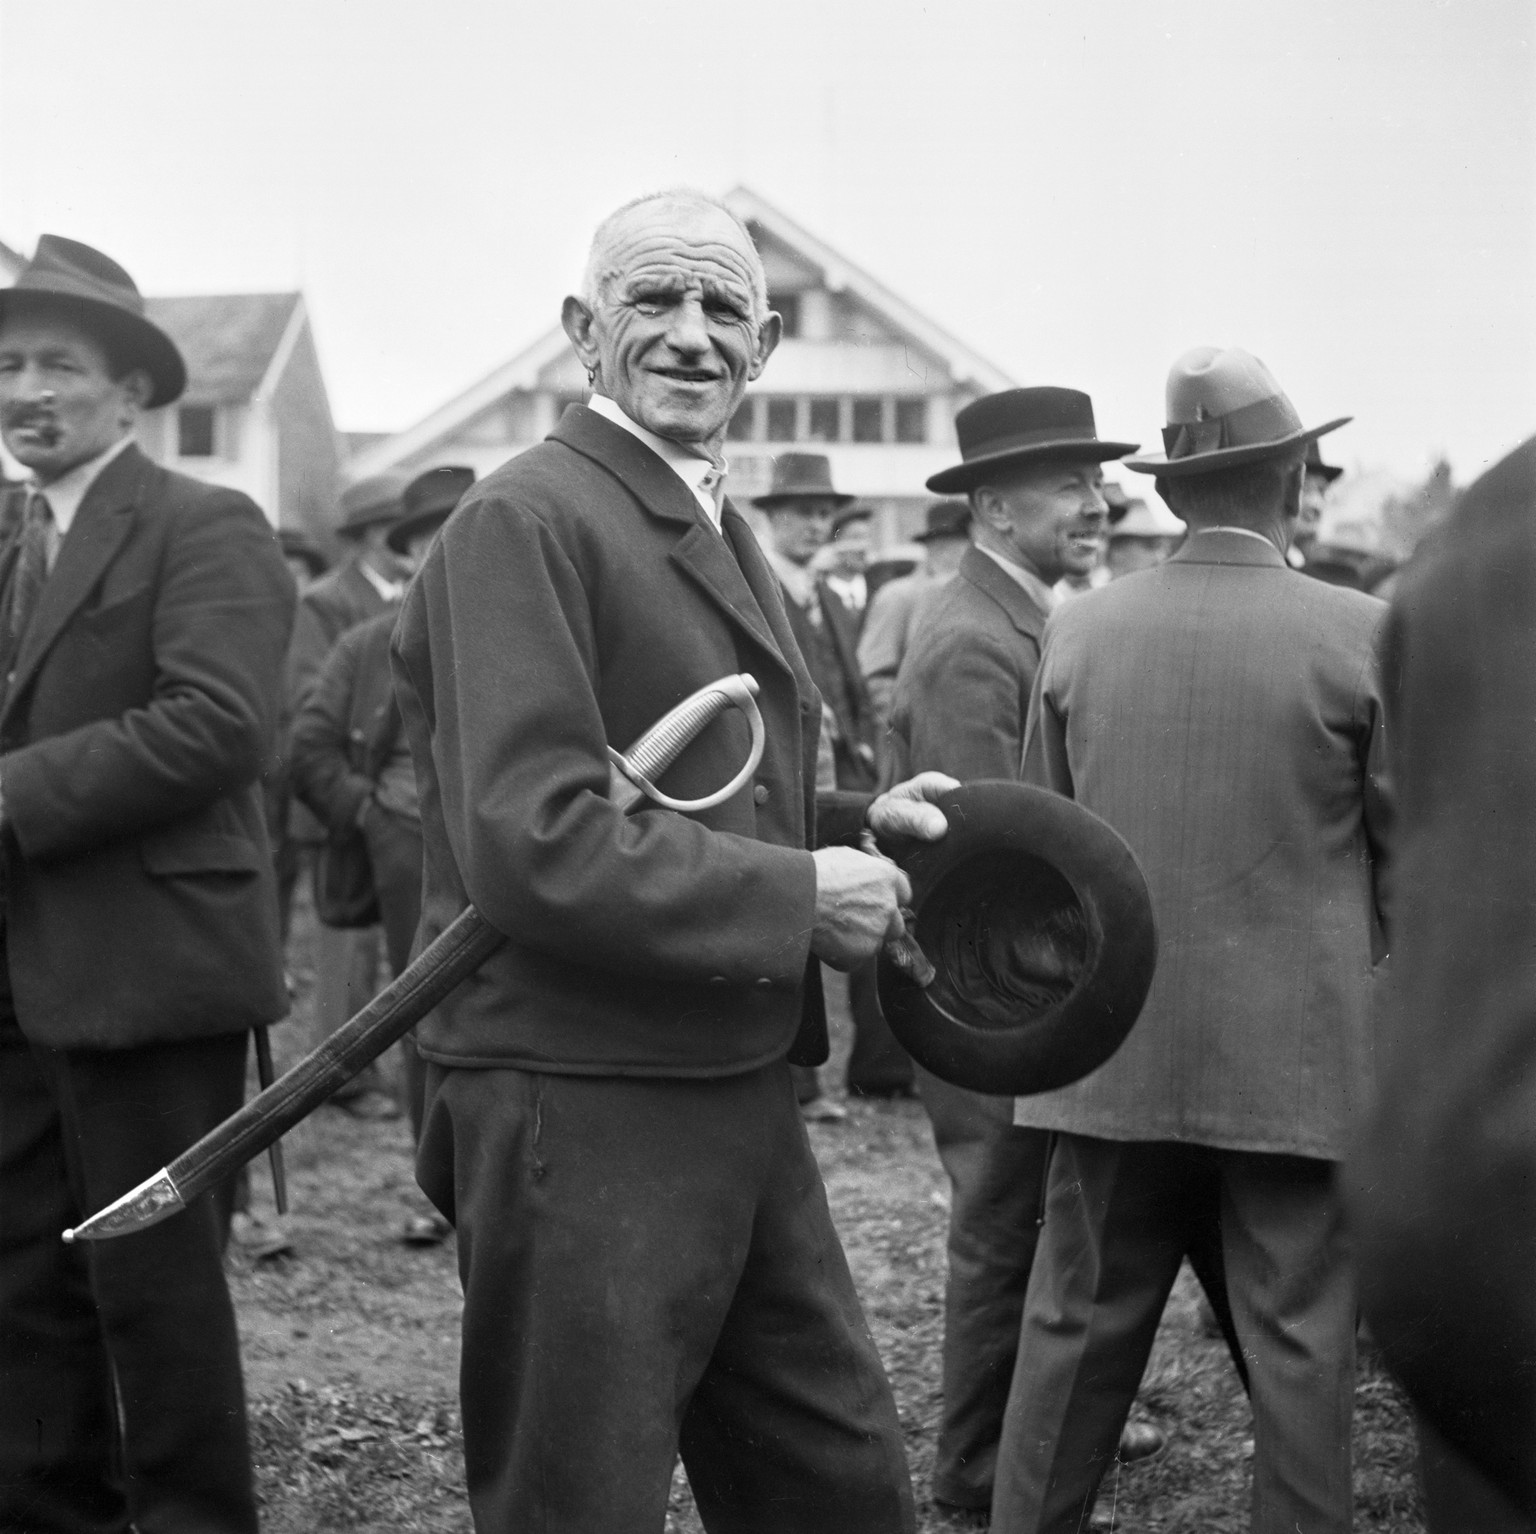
x,y
666,240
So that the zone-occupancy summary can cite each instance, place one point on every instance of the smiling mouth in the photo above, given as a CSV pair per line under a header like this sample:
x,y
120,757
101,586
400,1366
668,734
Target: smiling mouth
x,y
686,375
45,431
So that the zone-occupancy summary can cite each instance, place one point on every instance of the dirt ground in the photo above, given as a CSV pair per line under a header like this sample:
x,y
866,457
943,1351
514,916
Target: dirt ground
x,y
351,1344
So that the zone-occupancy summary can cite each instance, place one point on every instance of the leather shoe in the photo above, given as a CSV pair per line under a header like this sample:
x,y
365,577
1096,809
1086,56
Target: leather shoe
x,y
822,1110
374,1106
1139,1440
425,1230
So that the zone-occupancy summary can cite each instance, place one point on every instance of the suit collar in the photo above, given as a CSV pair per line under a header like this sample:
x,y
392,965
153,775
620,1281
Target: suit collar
x,y
988,576
101,524
1224,548
651,481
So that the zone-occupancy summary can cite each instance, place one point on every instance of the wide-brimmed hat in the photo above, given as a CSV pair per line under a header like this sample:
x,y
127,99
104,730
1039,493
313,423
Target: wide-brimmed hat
x,y
1225,408
800,474
1036,917
1022,426
945,519
378,498
76,278
1315,464
1147,520
297,544
429,499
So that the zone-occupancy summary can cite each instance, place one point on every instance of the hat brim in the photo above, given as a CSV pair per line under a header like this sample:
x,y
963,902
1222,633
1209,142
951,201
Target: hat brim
x,y
1231,457
978,470
134,339
1012,841
414,525
768,502
931,535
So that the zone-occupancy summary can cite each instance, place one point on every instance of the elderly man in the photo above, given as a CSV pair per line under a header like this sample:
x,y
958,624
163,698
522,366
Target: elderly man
x,y
1031,468
1225,716
648,1261
143,617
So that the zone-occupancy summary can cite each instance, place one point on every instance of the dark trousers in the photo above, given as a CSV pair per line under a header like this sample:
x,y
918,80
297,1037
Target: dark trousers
x,y
878,1065
394,850
120,1388
1120,1217
650,1268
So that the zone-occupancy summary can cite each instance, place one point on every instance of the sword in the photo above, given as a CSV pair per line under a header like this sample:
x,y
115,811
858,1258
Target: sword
x,y
451,957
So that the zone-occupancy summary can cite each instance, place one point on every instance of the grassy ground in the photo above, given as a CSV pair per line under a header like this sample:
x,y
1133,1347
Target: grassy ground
x,y
352,1348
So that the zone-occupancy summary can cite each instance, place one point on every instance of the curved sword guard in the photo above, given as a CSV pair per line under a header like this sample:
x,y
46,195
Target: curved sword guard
x,y
662,744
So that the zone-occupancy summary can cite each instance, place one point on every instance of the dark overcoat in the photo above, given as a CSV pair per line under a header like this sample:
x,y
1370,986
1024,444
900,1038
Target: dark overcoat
x,y
581,589
140,898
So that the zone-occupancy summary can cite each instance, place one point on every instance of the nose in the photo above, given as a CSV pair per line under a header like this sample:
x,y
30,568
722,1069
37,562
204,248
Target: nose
x,y
688,333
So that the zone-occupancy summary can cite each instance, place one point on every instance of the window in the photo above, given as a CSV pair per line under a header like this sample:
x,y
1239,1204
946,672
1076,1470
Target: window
x,y
194,431
781,420
788,307
911,420
742,423
869,420
824,420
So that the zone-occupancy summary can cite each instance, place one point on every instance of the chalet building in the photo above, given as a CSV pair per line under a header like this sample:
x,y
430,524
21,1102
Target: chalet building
x,y
255,415
860,376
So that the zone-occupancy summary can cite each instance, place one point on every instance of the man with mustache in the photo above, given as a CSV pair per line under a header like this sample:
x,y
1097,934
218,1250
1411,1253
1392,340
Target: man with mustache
x,y
143,620
648,1260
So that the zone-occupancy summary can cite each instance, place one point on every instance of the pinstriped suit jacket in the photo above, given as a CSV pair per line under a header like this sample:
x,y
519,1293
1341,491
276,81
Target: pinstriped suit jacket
x,y
1224,714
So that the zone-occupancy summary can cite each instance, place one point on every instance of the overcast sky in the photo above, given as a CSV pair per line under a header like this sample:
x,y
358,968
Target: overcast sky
x,y
1079,190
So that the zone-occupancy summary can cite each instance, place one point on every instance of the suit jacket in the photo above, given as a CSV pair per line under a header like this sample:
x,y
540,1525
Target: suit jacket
x,y
1224,714
347,726
962,693
140,903
574,597
832,660
1444,1185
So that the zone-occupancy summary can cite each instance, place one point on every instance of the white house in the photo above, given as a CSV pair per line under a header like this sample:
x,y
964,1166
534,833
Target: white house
x,y
860,375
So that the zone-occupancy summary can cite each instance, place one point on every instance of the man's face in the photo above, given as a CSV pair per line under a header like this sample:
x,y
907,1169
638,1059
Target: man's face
x,y
1314,491
799,527
849,550
673,335
1052,517
59,404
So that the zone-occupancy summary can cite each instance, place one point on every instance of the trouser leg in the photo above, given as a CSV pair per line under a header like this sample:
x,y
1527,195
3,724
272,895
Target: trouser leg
x,y
1210,1268
1293,1298
997,1182
1114,1236
609,1238
60,1472
793,1428
394,849
346,967
877,1066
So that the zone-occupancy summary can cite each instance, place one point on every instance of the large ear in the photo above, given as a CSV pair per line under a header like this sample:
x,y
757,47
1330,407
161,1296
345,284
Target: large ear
x,y
579,323
769,333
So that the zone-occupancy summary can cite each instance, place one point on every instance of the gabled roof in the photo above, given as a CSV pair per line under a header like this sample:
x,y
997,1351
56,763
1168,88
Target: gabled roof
x,y
230,340
10,261
839,274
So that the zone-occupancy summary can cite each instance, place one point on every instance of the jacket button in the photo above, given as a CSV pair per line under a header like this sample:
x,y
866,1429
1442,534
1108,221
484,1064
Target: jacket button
x,y
717,980
762,982
760,793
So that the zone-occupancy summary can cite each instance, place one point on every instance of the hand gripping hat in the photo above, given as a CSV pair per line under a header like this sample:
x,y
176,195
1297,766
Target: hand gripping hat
x,y
1225,408
67,275
429,500
1036,917
1018,426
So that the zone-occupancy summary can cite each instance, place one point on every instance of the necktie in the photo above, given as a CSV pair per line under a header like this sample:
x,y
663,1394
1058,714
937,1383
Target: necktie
x,y
31,565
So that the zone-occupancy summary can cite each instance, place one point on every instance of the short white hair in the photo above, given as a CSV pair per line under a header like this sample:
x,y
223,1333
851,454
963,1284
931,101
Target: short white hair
x,y
600,269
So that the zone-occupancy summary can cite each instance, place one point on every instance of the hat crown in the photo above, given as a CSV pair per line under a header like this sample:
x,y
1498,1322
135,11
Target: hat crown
x,y
439,489
946,519
377,498
1021,417
802,474
1210,381
78,270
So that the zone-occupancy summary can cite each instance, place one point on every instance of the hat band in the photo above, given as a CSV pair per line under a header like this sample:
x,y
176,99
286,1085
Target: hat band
x,y
1024,439
1265,420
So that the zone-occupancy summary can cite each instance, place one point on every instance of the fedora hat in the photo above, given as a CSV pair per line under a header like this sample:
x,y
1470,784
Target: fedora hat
x,y
67,275
1024,426
1036,917
800,474
1315,464
945,519
429,498
1225,408
378,498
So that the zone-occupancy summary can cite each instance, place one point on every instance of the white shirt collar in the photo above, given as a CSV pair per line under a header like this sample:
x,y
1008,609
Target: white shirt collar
x,y
1038,592
65,494
705,480
1242,532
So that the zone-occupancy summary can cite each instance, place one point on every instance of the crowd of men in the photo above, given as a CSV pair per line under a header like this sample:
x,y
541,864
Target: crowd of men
x,y
611,1115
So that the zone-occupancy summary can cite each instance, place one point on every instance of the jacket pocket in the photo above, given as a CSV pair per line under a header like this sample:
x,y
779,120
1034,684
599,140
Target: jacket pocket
x,y
178,851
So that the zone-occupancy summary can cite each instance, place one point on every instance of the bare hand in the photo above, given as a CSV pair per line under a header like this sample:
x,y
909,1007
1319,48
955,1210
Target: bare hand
x,y
858,905
907,810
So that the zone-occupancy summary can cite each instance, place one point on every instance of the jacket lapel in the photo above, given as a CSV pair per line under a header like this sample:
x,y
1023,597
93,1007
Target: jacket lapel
x,y
103,521
700,551
987,575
